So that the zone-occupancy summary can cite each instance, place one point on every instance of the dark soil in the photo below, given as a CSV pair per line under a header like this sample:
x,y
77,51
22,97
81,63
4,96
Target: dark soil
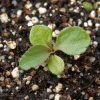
x,y
81,78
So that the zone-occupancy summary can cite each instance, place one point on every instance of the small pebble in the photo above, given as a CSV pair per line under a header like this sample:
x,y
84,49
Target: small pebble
x,y
28,5
30,23
2,78
57,32
63,10
95,43
15,72
45,68
14,2
19,82
17,87
73,69
76,57
27,18
42,10
58,88
92,59
90,23
57,97
27,82
3,9
97,25
1,45
91,98
93,14
4,18
69,65
33,12
29,78
12,22
37,5
20,39
51,26
85,24
58,76
1,90
81,13
79,21
26,97
97,80
54,34
49,90
19,12
83,93
35,87
72,1
53,11
71,9
10,57
11,44
67,88
45,4
8,86
8,73
51,96
2,57
76,10
41,21
6,48
14,32
81,74
88,32
35,20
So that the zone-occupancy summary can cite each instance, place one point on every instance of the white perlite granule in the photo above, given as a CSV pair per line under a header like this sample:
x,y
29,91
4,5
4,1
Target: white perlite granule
x,y
4,18
42,10
15,72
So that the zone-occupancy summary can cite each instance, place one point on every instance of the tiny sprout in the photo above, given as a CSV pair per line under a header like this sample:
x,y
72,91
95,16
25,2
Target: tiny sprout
x,y
88,6
72,41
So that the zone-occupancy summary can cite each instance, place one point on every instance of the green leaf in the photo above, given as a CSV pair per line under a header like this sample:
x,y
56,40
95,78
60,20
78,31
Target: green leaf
x,y
34,57
41,35
88,6
72,40
55,65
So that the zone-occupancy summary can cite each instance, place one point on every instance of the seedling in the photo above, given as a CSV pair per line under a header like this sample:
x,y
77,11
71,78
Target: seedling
x,y
71,40
88,6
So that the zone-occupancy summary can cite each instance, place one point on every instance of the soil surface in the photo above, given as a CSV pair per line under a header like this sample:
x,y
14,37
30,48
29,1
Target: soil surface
x,y
81,78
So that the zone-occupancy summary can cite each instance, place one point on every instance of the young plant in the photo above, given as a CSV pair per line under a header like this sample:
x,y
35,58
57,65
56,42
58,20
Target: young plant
x,y
87,5
71,40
